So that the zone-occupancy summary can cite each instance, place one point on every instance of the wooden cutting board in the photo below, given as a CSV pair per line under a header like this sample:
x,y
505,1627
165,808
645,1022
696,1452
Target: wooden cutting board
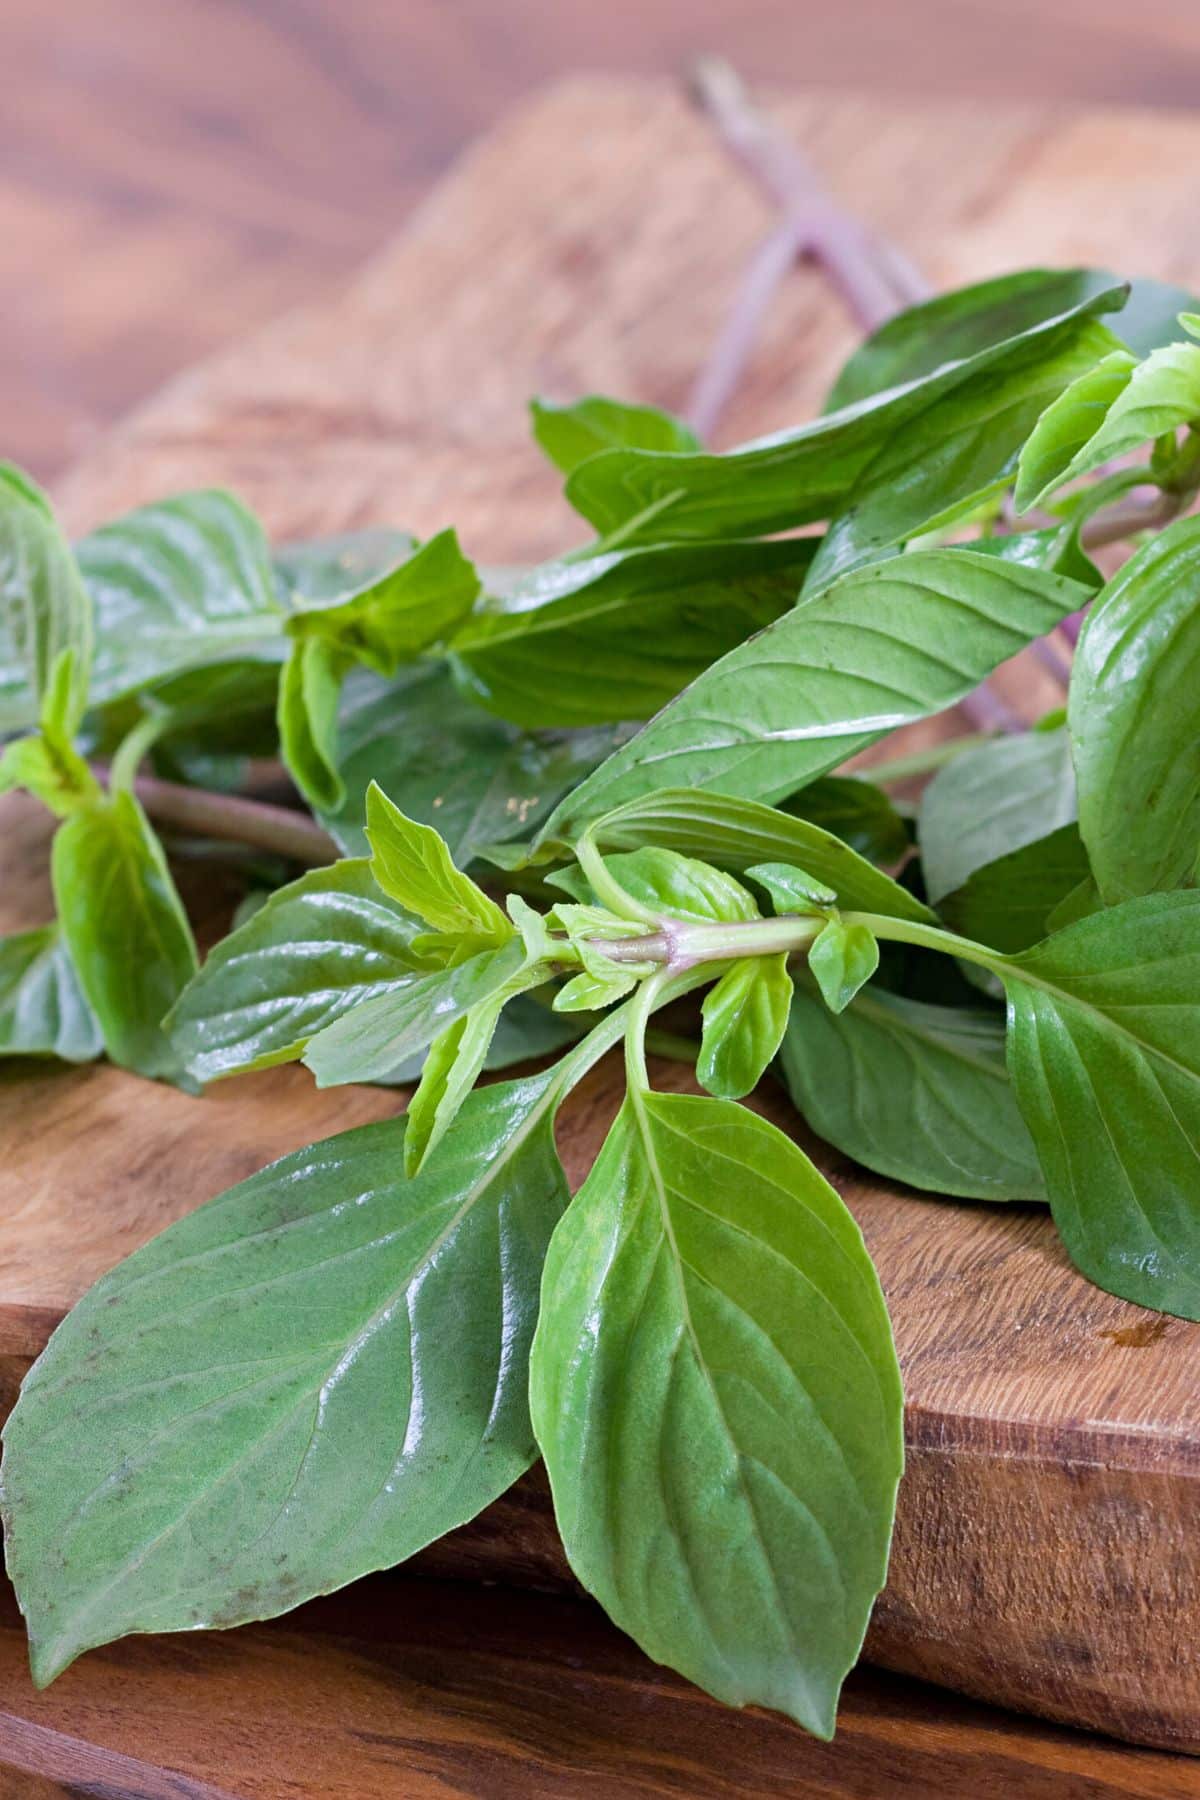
x,y
1047,1548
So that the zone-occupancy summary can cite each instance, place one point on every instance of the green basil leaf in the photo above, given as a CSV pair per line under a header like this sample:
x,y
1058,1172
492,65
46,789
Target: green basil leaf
x,y
1055,548
715,1392
177,585
411,862
842,959
568,435
47,767
856,811
886,645
331,568
960,450
991,800
1066,426
737,834
681,885
1134,715
310,689
285,1391
918,1093
311,952
398,614
126,931
616,637
42,1008
369,1042
745,1015
792,890
1156,397
1104,1052
959,324
44,608
796,477
478,780
1010,903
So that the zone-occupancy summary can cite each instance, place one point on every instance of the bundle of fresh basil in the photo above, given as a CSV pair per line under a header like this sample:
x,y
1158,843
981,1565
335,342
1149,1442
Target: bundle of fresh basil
x,y
362,1346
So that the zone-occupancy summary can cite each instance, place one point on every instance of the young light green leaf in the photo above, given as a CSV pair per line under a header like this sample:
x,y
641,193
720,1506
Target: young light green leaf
x,y
124,927
792,890
1158,396
796,477
841,960
616,637
745,1015
715,1392
310,688
1067,424
48,768
1104,1052
918,1093
883,646
42,1008
369,1042
398,614
178,585
293,1393
571,433
411,862
1134,715
311,952
736,834
455,1059
990,801
960,450
1011,903
681,886
586,927
964,321
44,608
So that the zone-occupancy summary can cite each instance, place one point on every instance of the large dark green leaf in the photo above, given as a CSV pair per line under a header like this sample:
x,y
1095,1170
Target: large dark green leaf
x,y
918,1093
796,477
961,323
569,434
124,927
991,800
960,450
445,762
44,607
287,1389
618,636
314,950
42,1008
854,809
715,1392
1104,1050
1135,719
176,585
1009,904
884,646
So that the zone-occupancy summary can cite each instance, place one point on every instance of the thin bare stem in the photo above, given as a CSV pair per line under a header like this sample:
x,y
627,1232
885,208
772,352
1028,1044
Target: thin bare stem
x,y
198,813
1113,524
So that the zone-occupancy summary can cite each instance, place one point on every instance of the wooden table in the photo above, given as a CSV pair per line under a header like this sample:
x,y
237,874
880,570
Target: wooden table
x,y
174,172
402,1686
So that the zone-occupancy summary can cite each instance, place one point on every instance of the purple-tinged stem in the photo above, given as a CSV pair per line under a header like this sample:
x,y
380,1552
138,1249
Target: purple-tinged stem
x,y
198,813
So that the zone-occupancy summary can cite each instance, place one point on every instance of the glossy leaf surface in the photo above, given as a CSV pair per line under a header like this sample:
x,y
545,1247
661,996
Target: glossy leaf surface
x,y
745,1015
314,950
883,646
715,1393
292,1391
42,1008
918,1093
1134,716
1104,1051
125,929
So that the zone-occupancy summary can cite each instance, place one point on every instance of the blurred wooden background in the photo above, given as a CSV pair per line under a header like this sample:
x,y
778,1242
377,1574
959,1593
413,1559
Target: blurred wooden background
x,y
173,172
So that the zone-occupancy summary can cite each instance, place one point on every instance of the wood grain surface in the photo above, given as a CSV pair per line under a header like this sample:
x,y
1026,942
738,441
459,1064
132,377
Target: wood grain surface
x,y
173,173
1047,1551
